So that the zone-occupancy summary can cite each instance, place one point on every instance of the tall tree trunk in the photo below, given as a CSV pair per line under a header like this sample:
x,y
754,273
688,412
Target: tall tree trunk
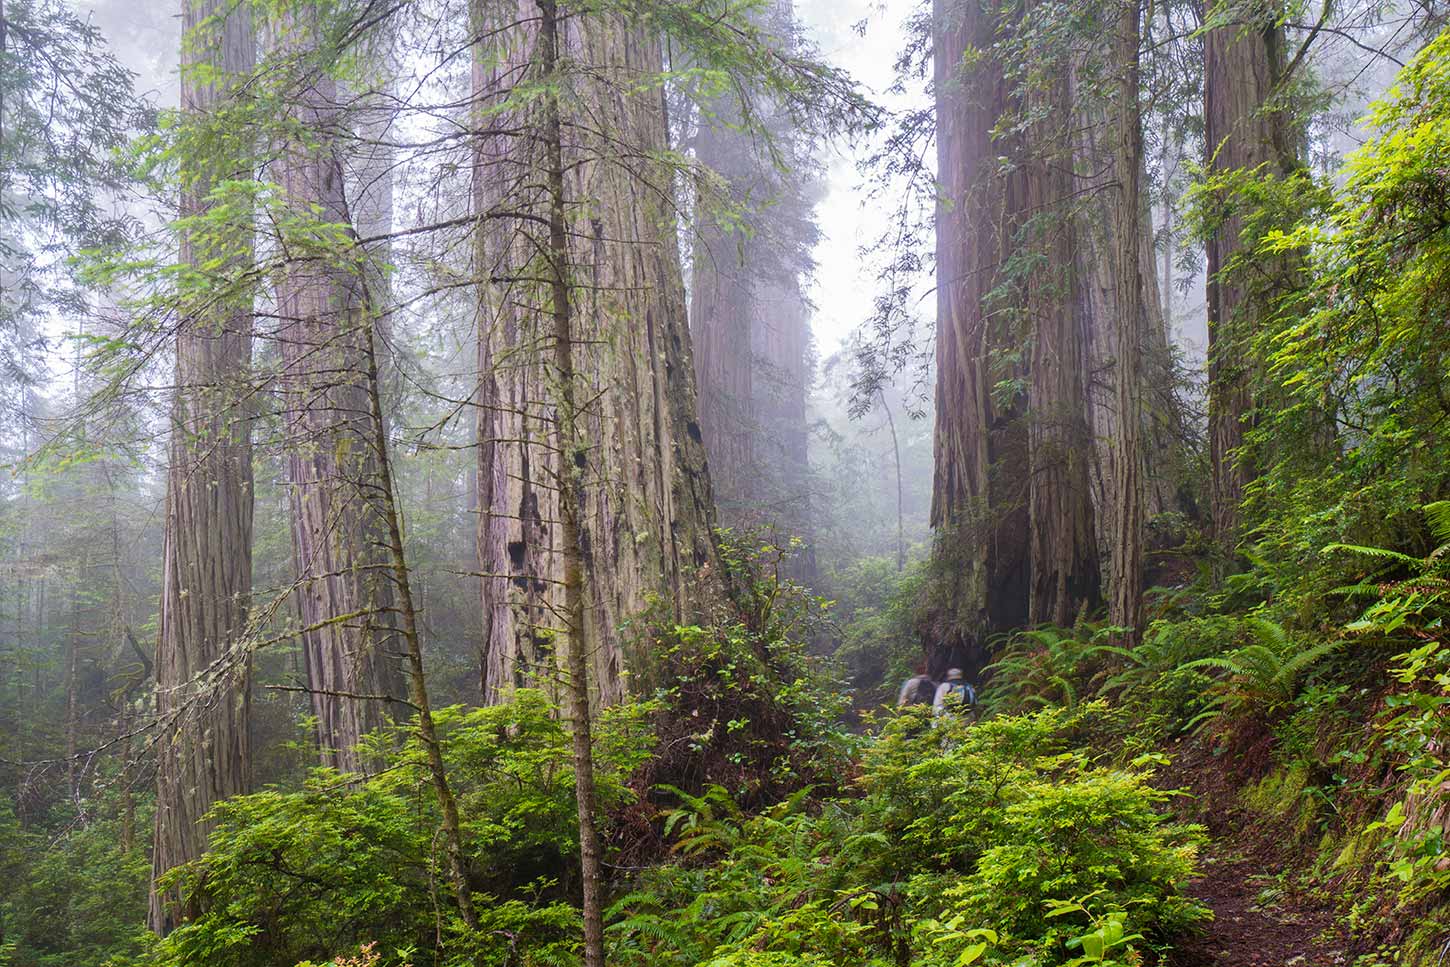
x,y
1096,260
723,323
748,313
1125,607
369,186
350,649
1064,557
646,517
1243,62
896,461
575,451
72,687
202,668
783,341
495,68
1162,420
1168,162
979,502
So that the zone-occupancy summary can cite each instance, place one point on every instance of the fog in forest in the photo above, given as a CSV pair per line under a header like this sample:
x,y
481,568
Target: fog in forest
x,y
730,482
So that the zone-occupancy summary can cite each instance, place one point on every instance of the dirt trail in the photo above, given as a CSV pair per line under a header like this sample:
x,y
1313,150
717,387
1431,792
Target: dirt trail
x,y
1257,923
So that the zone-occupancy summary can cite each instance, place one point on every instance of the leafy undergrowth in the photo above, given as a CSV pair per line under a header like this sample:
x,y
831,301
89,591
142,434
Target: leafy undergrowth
x,y
1313,756
1001,843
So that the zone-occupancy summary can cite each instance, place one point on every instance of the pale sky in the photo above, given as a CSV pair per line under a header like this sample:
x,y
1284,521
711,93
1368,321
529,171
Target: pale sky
x,y
844,287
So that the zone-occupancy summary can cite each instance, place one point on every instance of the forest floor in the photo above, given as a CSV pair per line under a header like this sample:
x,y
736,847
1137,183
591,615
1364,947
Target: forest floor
x,y
1264,911
1260,920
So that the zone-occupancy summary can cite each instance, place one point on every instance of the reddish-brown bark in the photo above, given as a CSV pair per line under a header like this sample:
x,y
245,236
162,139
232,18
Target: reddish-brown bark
x,y
201,664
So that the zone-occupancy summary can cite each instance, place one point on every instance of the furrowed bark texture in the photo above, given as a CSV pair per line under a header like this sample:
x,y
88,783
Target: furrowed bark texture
x,y
495,69
979,499
1125,604
750,321
350,646
1064,558
645,524
201,668
1097,251
1243,61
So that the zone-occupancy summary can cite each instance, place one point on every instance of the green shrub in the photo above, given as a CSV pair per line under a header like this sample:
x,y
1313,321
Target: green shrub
x,y
1415,732
740,699
1098,832
956,834
304,875
76,898
318,872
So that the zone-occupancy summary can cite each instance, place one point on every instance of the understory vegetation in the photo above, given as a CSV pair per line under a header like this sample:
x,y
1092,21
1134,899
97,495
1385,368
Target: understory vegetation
x,y
351,653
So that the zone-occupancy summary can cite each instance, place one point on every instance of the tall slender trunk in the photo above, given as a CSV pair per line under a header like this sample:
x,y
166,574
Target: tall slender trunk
x,y
72,688
896,458
575,452
417,679
1169,164
1126,604
202,669
646,511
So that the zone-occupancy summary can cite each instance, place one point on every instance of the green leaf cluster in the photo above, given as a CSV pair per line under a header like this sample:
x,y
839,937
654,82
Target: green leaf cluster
x,y
955,846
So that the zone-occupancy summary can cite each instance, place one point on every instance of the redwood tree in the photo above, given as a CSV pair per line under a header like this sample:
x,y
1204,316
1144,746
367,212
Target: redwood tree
x,y
346,597
749,315
202,667
1245,128
1125,606
1063,552
645,516
979,489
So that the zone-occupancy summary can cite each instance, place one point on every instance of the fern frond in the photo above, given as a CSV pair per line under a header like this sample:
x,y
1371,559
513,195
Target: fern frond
x,y
1127,653
1381,552
1269,633
1291,669
1069,695
873,838
1437,515
1218,663
642,898
1364,589
1197,723
652,927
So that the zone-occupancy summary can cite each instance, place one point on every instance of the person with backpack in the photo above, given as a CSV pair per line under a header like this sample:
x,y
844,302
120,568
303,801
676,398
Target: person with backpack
x,y
919,689
954,696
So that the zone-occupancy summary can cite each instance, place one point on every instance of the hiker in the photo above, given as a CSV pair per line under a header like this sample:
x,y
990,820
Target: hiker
x,y
954,695
919,689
